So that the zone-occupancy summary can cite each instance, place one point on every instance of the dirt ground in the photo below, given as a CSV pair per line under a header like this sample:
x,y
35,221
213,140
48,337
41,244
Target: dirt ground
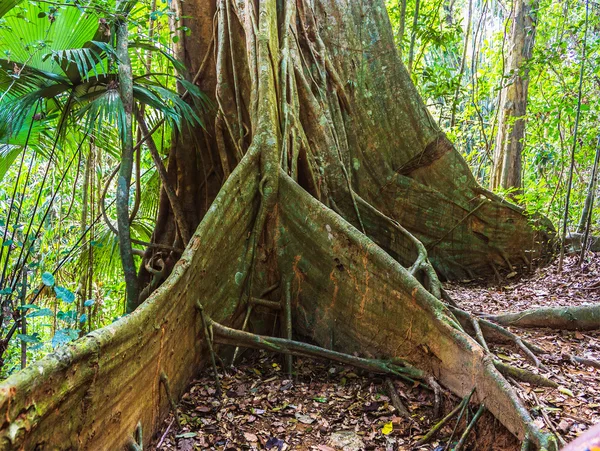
x,y
327,407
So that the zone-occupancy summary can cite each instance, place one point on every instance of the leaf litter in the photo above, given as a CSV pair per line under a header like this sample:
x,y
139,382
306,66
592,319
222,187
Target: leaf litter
x,y
326,407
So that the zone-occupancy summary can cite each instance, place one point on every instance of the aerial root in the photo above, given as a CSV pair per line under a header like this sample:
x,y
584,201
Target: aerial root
x,y
209,341
253,302
136,443
164,379
436,427
463,439
226,335
466,319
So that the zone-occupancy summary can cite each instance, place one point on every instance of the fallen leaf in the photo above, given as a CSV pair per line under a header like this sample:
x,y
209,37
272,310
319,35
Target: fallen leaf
x,y
250,437
387,428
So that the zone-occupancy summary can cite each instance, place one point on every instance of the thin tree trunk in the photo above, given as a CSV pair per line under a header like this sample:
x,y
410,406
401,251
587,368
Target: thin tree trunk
x,y
574,147
463,62
24,319
401,26
591,192
506,171
126,168
413,37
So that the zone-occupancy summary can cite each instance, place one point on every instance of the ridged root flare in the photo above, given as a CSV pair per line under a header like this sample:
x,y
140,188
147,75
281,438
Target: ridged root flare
x,y
347,294
332,180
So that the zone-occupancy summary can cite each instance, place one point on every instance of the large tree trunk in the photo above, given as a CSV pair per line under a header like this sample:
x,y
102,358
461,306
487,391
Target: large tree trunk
x,y
506,171
319,170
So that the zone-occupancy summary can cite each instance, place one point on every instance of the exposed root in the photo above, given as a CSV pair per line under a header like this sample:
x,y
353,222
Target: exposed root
x,y
487,327
585,317
524,375
396,401
136,443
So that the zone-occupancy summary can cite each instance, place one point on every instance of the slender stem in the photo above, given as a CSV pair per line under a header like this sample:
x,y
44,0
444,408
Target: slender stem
x,y
576,129
127,155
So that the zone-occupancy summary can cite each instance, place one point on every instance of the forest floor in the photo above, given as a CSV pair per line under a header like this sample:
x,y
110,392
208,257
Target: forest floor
x,y
327,407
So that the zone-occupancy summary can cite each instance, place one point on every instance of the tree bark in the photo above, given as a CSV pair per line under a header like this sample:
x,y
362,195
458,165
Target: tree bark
x,y
319,169
506,171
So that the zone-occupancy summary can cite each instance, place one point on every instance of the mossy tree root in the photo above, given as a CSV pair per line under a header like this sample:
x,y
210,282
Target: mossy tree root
x,y
586,317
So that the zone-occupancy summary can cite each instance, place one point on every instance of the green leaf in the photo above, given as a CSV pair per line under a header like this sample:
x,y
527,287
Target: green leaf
x,y
64,294
64,336
48,279
41,312
186,435
83,318
28,306
89,303
6,290
69,316
566,391
29,338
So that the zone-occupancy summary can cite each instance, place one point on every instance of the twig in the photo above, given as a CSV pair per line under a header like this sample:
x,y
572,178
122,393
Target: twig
x,y
547,420
164,436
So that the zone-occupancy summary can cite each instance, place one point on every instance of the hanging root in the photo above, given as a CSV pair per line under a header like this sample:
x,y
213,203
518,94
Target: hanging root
x,y
463,439
164,380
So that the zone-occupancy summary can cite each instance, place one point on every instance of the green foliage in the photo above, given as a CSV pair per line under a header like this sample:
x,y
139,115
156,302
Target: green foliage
x,y
60,112
552,100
